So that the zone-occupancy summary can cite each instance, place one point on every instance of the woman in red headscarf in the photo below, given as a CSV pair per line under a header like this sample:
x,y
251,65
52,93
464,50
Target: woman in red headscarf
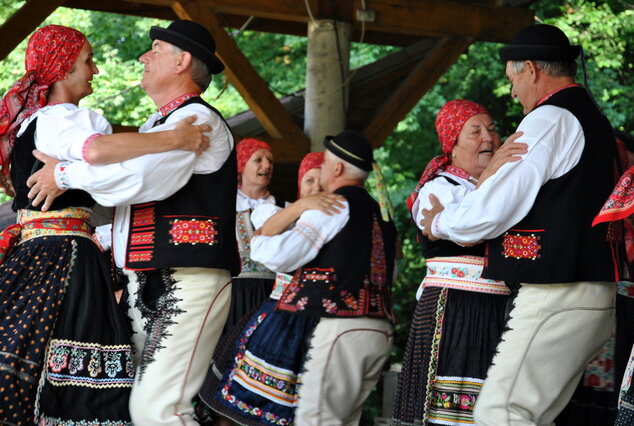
x,y
65,352
239,384
254,283
460,315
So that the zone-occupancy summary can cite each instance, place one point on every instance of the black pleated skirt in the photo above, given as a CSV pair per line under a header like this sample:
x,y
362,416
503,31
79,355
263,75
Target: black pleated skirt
x,y
65,347
453,337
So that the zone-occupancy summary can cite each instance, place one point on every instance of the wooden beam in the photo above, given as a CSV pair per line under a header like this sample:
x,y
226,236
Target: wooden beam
x,y
236,21
24,22
291,142
437,18
423,18
125,8
412,18
421,79
340,10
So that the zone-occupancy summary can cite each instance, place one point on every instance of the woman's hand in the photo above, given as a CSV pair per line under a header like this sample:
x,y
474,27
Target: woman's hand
x,y
191,137
326,202
509,152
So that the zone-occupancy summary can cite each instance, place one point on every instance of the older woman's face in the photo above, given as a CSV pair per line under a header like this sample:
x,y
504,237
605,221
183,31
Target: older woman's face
x,y
477,142
258,169
310,183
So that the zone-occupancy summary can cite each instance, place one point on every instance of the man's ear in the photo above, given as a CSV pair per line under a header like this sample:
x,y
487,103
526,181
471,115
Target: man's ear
x,y
532,69
183,61
338,169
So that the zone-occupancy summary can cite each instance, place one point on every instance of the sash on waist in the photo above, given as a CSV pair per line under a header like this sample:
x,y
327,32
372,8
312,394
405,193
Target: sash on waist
x,y
266,275
461,273
70,221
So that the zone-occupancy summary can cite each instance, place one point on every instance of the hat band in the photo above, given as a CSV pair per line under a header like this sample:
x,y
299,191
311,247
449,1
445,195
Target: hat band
x,y
345,151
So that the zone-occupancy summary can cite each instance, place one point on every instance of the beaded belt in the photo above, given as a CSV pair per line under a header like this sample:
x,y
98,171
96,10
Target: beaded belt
x,y
462,273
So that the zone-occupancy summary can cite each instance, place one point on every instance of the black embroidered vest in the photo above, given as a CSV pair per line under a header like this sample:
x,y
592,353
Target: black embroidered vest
x,y
555,242
352,274
23,164
195,227
443,248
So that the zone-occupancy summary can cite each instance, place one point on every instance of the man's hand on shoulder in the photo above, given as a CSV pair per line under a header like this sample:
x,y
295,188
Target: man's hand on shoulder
x,y
42,183
192,137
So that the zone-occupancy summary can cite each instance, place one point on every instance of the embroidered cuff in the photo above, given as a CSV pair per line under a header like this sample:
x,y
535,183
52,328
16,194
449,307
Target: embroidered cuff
x,y
87,142
61,175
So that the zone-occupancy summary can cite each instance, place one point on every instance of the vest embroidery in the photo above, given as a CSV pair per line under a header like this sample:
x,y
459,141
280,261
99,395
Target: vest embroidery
x,y
378,270
521,246
142,233
193,232
244,232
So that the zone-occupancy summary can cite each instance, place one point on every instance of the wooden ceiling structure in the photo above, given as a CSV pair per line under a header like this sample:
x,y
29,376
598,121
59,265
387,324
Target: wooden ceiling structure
x,y
433,33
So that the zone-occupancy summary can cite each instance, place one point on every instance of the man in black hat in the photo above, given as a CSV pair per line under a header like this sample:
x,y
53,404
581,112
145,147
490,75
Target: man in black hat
x,y
174,228
344,265
537,214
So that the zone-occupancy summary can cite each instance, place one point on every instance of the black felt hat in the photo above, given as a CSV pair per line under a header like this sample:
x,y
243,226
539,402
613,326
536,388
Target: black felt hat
x,y
352,147
540,42
192,37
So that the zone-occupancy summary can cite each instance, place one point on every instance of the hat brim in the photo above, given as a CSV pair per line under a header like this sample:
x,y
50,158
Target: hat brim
x,y
526,52
214,64
333,147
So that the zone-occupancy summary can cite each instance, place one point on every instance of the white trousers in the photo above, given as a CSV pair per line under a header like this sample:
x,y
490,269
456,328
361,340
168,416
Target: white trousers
x,y
344,362
176,327
554,330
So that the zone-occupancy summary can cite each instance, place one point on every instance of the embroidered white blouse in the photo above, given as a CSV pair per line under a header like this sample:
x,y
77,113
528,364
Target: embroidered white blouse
x,y
62,130
555,142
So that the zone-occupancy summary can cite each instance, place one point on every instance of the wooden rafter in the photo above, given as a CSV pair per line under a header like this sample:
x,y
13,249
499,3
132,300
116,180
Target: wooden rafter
x,y
447,18
421,79
289,141
235,21
423,18
24,22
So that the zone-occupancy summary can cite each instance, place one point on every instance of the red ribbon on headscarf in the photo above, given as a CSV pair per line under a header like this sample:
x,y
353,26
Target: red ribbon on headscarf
x,y
51,53
312,160
449,122
246,148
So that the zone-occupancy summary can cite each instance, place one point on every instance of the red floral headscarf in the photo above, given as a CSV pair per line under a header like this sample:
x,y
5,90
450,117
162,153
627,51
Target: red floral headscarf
x,y
620,204
312,160
246,148
449,122
51,53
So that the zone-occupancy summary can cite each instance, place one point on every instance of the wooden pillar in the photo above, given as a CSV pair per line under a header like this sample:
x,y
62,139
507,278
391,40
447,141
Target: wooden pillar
x,y
327,71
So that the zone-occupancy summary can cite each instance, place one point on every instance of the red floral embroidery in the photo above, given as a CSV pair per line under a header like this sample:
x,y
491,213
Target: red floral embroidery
x,y
175,103
316,274
521,246
139,256
193,232
144,217
378,269
141,238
